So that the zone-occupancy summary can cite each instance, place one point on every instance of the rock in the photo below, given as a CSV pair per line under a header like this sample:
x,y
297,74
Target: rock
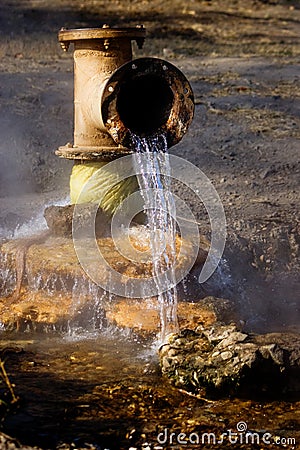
x,y
266,172
60,219
221,360
42,283
143,314
39,311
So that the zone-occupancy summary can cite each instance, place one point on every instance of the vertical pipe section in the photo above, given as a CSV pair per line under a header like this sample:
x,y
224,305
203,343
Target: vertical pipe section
x,y
93,65
98,53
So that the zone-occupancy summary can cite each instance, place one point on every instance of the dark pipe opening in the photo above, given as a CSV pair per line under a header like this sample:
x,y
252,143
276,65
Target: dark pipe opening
x,y
144,103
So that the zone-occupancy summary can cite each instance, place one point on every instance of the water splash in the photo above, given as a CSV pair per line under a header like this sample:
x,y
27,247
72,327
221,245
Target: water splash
x,y
37,223
7,275
159,206
48,300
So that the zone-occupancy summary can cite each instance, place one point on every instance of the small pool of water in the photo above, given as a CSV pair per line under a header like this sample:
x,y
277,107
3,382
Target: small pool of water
x,y
105,389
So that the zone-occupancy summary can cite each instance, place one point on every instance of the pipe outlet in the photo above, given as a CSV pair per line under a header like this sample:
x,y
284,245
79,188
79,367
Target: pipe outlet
x,y
147,96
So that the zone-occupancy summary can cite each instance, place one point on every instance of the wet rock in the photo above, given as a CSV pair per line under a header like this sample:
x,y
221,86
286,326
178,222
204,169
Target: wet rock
x,y
60,219
143,314
42,282
222,360
37,311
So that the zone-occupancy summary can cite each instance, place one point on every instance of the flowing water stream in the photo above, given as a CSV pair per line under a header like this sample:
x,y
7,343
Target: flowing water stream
x,y
152,161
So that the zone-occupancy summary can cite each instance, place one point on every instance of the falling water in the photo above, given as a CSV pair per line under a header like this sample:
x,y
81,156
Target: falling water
x,y
154,181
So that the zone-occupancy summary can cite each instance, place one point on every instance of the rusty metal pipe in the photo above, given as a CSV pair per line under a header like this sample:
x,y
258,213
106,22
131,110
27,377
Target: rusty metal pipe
x,y
147,96
115,95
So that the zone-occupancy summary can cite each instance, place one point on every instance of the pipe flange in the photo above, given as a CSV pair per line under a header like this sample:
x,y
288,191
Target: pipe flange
x,y
67,36
92,153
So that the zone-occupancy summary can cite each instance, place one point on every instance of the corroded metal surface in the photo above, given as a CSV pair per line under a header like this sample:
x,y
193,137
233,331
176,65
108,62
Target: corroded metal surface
x,y
147,95
98,52
67,36
92,153
114,96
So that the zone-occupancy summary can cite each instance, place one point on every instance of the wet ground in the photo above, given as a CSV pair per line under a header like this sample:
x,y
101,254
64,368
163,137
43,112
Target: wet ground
x,y
108,392
242,59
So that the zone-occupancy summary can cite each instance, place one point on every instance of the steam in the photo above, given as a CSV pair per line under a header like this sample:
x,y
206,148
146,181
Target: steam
x,y
19,228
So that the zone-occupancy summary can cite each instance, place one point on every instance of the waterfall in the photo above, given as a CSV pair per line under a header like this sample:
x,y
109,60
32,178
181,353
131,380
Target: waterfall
x,y
155,185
